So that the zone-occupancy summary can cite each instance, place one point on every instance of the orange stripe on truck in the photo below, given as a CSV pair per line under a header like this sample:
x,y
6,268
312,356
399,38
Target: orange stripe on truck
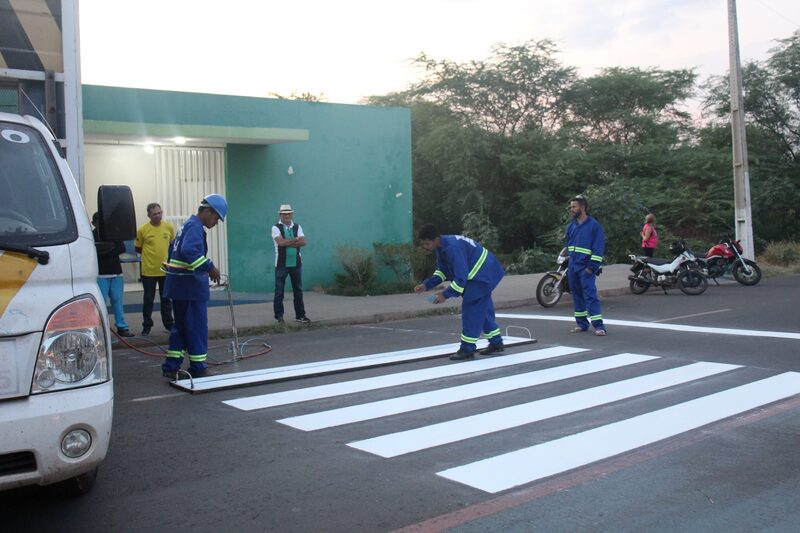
x,y
15,269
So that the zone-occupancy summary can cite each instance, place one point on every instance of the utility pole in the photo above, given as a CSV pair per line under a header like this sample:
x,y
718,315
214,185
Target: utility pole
x,y
741,175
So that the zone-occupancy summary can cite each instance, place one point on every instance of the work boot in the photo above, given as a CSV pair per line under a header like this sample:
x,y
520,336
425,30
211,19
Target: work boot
x,y
199,371
145,332
170,374
462,355
493,349
124,333
303,320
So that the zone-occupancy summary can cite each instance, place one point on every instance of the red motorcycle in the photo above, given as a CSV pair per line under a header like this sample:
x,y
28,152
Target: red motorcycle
x,y
727,256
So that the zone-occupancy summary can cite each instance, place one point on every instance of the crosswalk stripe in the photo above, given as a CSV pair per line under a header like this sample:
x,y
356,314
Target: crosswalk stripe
x,y
422,438
239,379
536,462
404,404
670,327
391,380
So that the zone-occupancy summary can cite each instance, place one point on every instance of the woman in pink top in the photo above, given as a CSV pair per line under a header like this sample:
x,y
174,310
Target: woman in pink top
x,y
649,235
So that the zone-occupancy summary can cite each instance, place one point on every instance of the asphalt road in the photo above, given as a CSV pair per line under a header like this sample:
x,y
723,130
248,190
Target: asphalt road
x,y
182,462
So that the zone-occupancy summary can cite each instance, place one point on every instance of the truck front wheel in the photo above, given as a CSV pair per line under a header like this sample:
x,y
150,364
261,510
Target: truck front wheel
x,y
78,485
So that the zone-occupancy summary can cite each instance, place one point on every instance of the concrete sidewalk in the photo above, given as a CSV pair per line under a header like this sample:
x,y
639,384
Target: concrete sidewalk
x,y
330,310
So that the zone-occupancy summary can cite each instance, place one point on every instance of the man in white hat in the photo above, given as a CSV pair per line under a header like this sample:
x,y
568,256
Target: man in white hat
x,y
289,238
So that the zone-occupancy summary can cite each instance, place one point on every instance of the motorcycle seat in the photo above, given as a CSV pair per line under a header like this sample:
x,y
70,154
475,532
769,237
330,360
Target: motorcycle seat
x,y
654,260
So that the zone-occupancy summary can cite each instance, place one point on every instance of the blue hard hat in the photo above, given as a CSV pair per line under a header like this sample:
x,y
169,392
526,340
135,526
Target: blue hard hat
x,y
217,203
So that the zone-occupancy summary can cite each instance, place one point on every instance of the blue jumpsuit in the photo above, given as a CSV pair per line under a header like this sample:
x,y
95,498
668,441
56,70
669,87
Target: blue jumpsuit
x,y
187,286
586,243
473,272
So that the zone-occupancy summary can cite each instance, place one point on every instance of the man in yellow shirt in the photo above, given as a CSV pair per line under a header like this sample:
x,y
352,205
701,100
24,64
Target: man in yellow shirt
x,y
152,241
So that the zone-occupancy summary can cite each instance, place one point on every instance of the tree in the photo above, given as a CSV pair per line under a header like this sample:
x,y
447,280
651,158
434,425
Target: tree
x,y
771,95
620,209
305,96
772,111
465,150
501,144
630,105
516,87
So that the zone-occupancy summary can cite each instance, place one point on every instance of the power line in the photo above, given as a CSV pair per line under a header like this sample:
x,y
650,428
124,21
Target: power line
x,y
782,16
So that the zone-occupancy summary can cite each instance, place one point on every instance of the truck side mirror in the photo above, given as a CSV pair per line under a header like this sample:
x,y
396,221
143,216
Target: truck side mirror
x,y
116,213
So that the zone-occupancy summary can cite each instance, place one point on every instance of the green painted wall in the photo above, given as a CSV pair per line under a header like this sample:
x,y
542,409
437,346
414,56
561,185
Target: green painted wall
x,y
351,181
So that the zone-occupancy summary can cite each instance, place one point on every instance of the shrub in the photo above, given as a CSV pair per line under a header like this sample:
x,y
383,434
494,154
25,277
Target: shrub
x,y
477,226
359,270
532,260
398,257
406,261
424,263
782,253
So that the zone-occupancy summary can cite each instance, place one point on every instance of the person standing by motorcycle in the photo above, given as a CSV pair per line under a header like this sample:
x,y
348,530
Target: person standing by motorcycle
x,y
649,235
586,243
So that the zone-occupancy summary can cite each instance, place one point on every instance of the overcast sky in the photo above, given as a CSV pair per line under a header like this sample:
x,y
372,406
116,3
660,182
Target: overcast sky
x,y
349,49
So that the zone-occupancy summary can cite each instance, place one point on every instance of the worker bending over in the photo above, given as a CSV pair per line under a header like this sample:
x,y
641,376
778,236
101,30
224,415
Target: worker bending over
x,y
473,272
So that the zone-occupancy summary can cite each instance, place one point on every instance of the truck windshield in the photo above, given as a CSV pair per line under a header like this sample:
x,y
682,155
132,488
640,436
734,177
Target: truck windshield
x,y
35,209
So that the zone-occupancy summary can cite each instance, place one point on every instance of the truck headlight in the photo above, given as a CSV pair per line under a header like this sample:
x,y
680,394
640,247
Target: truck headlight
x,y
73,352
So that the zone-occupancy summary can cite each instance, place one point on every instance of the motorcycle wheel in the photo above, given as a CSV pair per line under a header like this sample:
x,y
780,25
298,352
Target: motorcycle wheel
x,y
692,282
740,275
642,281
638,286
549,291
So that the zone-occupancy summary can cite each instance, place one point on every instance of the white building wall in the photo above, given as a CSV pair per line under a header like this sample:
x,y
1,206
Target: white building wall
x,y
123,164
175,177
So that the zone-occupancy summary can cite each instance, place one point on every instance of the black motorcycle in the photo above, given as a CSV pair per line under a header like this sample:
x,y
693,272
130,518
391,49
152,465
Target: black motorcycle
x,y
554,283
682,272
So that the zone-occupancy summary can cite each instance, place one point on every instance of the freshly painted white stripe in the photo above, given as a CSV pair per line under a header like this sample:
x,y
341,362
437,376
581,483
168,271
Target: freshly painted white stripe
x,y
413,440
693,315
265,375
392,380
404,404
536,462
671,327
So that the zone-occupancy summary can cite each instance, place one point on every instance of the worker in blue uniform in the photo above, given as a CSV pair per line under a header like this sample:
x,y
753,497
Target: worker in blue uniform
x,y
473,273
586,243
188,271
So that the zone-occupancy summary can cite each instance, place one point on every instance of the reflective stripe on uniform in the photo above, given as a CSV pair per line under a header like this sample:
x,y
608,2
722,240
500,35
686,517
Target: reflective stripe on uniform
x,y
175,263
469,340
456,287
598,258
198,358
595,318
175,354
492,334
440,274
478,264
199,261
178,264
581,313
579,250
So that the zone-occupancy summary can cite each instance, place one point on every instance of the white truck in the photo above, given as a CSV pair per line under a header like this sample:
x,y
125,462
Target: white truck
x,y
56,389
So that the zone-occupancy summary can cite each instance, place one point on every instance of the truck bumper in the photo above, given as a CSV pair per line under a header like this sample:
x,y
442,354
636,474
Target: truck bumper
x,y
32,430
